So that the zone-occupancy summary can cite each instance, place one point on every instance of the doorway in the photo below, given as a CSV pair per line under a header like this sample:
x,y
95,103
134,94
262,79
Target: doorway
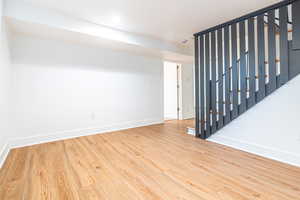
x,y
171,91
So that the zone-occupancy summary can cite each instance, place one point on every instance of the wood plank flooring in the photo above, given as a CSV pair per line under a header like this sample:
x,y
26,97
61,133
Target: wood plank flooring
x,y
190,123
154,162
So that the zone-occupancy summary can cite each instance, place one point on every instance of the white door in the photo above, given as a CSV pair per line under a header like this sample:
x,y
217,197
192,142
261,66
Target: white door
x,y
170,91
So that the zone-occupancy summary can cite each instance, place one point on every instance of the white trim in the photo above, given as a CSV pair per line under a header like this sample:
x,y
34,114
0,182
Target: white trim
x,y
179,92
3,154
271,153
191,131
68,134
190,115
62,135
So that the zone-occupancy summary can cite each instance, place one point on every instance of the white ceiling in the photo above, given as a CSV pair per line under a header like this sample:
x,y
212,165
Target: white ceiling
x,y
19,27
171,20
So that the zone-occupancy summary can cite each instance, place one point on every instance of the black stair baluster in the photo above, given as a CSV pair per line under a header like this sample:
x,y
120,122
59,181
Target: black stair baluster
x,y
261,58
272,52
202,84
207,84
220,79
284,68
234,72
213,83
243,87
252,67
227,75
237,69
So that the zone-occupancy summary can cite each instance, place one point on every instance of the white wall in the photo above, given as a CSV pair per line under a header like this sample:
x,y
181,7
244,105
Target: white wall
x,y
5,84
187,91
63,90
170,90
270,128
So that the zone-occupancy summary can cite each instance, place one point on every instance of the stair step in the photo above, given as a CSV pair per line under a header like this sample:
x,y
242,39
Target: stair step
x,y
191,131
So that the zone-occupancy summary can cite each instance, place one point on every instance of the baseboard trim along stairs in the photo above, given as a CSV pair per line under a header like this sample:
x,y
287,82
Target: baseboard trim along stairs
x,y
271,153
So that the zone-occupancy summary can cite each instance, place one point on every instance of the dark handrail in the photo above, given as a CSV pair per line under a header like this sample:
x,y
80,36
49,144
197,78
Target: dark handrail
x,y
245,17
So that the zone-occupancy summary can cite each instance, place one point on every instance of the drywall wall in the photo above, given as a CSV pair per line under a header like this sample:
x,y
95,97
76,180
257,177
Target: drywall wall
x,y
63,90
170,91
187,91
270,128
5,83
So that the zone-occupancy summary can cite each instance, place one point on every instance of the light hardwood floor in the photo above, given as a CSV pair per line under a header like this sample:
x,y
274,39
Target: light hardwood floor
x,y
154,162
190,123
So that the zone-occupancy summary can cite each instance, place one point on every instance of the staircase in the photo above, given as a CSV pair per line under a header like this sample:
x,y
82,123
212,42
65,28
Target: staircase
x,y
239,63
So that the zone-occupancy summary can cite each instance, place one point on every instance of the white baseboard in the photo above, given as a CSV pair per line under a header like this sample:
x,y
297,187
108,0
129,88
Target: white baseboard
x,y
274,154
3,154
68,134
188,116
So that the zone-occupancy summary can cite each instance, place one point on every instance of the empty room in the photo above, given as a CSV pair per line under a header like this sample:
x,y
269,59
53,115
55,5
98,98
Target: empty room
x,y
160,100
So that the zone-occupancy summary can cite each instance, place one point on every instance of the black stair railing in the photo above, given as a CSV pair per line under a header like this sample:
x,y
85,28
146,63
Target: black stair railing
x,y
239,63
